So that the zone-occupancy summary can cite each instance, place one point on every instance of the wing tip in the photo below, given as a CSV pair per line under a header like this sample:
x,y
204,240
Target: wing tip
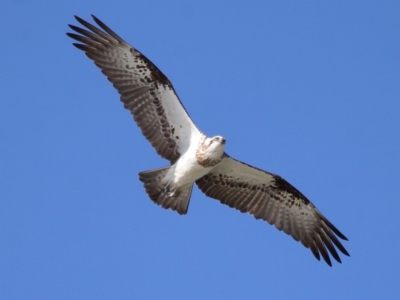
x,y
80,20
80,46
331,226
94,18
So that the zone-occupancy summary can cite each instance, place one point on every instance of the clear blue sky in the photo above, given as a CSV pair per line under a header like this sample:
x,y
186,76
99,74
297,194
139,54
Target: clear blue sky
x,y
305,89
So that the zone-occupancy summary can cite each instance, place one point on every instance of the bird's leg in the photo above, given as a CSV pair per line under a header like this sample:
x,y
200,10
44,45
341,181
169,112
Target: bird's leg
x,y
171,192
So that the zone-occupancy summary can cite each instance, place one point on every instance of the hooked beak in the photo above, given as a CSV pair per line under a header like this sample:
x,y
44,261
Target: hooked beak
x,y
223,141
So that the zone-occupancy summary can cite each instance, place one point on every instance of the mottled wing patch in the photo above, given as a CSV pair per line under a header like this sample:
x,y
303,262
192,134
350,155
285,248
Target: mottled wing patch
x,y
271,198
149,71
145,91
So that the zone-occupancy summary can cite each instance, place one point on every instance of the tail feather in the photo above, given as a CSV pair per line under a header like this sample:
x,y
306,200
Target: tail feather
x,y
160,194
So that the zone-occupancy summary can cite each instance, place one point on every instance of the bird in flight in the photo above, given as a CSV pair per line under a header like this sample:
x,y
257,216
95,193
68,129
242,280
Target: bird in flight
x,y
195,158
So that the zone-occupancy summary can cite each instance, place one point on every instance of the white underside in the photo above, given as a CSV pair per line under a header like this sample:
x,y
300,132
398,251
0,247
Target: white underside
x,y
184,172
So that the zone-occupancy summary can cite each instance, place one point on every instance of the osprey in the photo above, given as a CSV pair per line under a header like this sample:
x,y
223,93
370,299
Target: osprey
x,y
195,158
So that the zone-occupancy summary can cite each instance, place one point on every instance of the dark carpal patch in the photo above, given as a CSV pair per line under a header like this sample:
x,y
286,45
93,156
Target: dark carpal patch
x,y
283,185
157,76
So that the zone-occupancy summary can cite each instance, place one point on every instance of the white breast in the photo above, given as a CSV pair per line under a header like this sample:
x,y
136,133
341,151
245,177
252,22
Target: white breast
x,y
185,171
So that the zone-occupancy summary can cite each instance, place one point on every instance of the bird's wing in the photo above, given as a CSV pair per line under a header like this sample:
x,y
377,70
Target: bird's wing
x,y
269,197
145,91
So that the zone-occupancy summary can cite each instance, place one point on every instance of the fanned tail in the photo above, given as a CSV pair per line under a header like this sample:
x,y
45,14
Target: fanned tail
x,y
160,194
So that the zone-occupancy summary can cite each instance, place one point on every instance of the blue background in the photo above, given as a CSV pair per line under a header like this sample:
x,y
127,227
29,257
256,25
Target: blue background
x,y
305,89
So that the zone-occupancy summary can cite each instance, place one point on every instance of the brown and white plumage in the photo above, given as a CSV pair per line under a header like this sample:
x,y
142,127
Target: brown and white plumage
x,y
144,89
269,197
150,97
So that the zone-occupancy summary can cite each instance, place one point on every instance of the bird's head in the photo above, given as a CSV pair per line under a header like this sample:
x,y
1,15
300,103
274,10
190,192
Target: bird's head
x,y
215,147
